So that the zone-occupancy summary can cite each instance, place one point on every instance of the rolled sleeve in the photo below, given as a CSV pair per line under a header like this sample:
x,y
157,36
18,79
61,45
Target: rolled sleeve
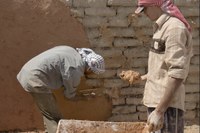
x,y
176,57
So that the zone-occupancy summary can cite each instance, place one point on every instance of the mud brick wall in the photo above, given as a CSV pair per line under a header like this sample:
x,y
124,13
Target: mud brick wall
x,y
28,27
122,40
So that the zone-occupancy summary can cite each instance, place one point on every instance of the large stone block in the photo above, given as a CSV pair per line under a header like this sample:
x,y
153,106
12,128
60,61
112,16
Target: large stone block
x,y
125,42
93,22
186,2
107,12
124,118
89,3
78,126
124,109
118,101
118,22
121,2
123,32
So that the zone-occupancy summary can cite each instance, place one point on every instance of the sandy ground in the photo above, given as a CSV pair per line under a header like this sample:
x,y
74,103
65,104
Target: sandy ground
x,y
188,129
192,129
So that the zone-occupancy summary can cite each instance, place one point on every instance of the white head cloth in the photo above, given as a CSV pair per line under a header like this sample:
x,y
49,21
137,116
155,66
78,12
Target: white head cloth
x,y
94,61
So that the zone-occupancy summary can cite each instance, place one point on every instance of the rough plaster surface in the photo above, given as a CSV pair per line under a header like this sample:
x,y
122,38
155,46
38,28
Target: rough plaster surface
x,y
28,27
89,107
77,126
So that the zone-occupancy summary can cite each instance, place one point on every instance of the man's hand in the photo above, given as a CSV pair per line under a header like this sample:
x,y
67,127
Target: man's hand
x,y
155,121
131,76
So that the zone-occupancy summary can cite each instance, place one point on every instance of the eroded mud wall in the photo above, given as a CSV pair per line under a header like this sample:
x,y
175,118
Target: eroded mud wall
x,y
28,27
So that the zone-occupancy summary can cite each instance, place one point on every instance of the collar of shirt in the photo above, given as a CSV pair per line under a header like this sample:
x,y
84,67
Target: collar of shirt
x,y
160,21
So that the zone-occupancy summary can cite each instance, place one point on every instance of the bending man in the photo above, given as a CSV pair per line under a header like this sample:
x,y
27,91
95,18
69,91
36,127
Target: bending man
x,y
61,66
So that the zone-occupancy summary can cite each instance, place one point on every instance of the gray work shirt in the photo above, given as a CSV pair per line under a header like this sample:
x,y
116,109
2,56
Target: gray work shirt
x,y
57,67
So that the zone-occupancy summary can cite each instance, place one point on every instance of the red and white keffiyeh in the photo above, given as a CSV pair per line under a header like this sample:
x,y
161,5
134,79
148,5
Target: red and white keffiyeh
x,y
168,7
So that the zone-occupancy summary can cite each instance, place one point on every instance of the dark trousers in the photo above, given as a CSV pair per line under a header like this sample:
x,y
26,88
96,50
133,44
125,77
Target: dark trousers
x,y
46,102
173,120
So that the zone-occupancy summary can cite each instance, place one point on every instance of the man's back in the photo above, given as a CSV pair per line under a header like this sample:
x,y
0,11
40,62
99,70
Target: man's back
x,y
46,69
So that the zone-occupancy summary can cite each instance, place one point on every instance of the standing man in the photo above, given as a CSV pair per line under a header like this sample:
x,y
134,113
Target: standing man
x,y
61,66
168,66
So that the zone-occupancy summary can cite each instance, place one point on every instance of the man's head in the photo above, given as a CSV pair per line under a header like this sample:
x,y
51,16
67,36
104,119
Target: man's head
x,y
95,62
148,3
166,6
151,8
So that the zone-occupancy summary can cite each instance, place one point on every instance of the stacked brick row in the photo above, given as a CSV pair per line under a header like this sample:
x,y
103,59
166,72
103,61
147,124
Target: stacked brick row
x,y
123,41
